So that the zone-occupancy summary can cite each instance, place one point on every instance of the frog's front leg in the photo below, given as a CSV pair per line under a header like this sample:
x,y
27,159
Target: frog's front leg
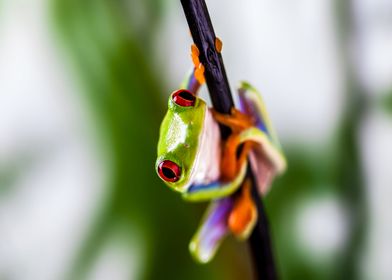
x,y
199,67
191,83
215,190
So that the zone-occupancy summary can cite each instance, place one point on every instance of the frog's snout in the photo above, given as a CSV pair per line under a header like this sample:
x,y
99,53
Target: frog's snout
x,y
169,171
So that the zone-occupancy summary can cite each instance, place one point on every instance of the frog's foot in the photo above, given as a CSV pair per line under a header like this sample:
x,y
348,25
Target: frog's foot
x,y
218,45
232,161
243,217
199,74
212,230
236,121
199,67
235,150
195,55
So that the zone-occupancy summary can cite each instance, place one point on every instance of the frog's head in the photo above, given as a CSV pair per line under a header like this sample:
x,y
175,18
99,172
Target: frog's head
x,y
180,139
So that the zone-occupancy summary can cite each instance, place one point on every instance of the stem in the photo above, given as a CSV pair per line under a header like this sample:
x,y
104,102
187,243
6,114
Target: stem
x,y
204,37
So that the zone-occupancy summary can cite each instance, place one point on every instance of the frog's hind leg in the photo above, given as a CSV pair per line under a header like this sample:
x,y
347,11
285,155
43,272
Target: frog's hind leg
x,y
266,158
252,104
243,217
212,230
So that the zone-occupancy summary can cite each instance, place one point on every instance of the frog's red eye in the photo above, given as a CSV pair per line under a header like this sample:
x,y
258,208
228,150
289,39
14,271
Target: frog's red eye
x,y
184,98
169,171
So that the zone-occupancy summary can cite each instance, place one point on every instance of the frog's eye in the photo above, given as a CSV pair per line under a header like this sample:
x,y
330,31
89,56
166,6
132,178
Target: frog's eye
x,y
184,98
169,171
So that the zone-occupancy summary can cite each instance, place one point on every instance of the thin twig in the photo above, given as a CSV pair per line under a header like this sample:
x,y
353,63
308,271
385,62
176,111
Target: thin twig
x,y
204,38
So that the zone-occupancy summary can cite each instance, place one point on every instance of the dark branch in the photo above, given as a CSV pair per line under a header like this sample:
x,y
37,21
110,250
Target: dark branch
x,y
204,38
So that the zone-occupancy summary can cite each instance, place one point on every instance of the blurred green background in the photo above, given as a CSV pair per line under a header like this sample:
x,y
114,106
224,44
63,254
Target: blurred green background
x,y
83,88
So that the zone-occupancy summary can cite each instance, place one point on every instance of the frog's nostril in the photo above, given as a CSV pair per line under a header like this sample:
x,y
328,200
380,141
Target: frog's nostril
x,y
169,171
184,98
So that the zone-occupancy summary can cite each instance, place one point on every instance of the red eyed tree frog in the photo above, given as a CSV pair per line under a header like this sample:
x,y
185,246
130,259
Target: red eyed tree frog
x,y
194,161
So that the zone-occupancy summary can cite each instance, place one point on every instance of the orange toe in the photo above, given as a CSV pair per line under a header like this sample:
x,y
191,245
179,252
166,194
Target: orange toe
x,y
243,217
